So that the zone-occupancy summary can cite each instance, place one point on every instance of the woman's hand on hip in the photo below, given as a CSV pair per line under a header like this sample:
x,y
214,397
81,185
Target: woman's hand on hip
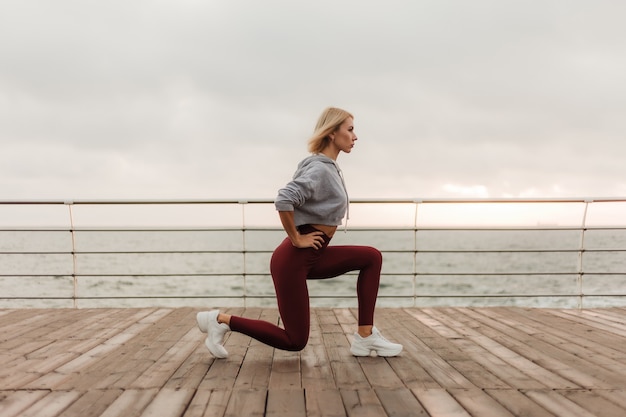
x,y
310,240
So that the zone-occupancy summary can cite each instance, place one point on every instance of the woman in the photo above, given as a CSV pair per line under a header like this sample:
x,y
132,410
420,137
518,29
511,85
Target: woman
x,y
311,207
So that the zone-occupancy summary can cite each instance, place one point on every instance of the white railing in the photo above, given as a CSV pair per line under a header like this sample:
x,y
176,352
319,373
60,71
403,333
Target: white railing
x,y
539,252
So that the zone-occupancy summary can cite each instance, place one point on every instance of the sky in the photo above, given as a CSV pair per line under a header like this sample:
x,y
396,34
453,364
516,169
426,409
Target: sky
x,y
215,99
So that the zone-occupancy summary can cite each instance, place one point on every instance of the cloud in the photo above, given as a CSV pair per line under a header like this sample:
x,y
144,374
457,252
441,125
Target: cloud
x,y
216,99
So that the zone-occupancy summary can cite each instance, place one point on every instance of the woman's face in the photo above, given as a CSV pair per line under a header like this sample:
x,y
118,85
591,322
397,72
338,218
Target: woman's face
x,y
344,136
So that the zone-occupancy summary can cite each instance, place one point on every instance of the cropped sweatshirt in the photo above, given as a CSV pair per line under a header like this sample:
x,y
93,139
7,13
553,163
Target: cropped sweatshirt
x,y
317,193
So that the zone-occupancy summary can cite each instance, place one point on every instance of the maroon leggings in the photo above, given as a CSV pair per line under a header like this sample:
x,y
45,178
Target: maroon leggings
x,y
290,268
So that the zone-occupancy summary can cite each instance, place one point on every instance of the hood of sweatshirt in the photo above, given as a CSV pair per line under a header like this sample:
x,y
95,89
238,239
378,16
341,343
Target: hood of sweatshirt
x,y
315,158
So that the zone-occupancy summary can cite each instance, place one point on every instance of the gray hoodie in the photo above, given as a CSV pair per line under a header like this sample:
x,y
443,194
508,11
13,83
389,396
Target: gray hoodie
x,y
317,193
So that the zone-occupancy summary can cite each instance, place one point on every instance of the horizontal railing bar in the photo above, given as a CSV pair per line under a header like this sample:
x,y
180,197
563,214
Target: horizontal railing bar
x,y
259,274
354,200
452,229
320,296
407,251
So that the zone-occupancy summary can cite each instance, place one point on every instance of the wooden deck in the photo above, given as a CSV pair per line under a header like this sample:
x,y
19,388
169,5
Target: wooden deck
x,y
457,362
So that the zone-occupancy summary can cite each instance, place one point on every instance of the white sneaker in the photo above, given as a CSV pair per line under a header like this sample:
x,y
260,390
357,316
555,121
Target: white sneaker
x,y
363,346
207,322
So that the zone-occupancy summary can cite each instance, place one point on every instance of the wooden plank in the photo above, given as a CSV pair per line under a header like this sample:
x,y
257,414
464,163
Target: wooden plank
x,y
256,367
557,404
614,396
193,369
596,319
52,405
93,403
439,403
329,321
208,403
64,376
222,373
477,403
89,324
517,403
346,369
551,359
315,365
592,322
613,314
122,321
400,402
7,311
362,403
411,373
505,363
462,357
12,403
346,319
155,343
28,325
440,370
324,403
594,403
483,376
218,402
601,356
161,371
125,364
169,402
285,402
378,370
379,373
285,371
558,333
246,402
410,333
131,403
504,345
33,369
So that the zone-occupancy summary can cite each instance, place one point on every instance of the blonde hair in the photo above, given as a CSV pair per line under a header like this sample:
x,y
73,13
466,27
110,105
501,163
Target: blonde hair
x,y
328,122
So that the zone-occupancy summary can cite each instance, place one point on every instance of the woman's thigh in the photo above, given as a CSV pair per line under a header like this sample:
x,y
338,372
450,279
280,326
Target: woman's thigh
x,y
289,267
338,260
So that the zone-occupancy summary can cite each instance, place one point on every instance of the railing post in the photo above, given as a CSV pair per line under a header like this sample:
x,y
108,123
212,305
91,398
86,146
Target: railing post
x,y
244,247
70,205
417,203
581,251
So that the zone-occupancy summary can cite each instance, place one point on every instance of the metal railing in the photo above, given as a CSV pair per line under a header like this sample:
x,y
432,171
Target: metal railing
x,y
94,253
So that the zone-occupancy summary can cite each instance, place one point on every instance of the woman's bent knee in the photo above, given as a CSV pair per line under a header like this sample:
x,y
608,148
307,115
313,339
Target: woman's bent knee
x,y
297,344
374,255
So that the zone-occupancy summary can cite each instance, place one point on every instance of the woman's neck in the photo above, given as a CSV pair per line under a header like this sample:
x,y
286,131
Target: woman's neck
x,y
331,153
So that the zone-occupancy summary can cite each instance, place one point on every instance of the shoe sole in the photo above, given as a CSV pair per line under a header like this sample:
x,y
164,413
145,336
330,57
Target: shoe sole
x,y
389,353
215,352
384,353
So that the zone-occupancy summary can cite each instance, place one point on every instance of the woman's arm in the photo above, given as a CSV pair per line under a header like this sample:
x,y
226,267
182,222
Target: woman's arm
x,y
310,240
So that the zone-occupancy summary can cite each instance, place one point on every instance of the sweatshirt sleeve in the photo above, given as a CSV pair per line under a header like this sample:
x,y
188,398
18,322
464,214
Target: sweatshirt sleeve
x,y
304,183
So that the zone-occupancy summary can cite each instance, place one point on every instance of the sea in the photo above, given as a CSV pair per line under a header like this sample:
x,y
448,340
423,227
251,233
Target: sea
x,y
561,268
